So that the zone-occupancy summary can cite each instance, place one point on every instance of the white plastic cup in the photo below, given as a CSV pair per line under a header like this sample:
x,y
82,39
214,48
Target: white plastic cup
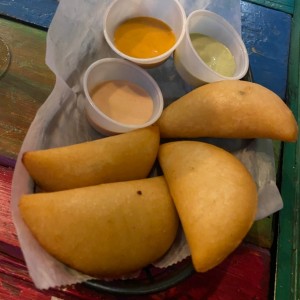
x,y
189,64
118,69
169,11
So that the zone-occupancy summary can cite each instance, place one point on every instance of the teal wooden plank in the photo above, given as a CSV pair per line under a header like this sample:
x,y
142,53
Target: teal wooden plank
x,y
286,6
287,280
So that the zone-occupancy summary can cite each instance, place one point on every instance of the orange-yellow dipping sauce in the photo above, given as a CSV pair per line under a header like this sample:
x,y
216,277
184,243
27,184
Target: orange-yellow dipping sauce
x,y
144,37
123,101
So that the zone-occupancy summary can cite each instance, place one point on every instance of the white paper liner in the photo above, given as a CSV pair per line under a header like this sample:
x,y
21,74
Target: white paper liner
x,y
74,41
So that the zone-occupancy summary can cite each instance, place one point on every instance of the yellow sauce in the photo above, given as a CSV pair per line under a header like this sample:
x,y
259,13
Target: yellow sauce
x,y
144,37
215,54
123,101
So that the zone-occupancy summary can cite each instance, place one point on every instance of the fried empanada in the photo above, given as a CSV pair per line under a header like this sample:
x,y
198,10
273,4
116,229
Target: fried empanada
x,y
229,109
106,230
127,156
215,197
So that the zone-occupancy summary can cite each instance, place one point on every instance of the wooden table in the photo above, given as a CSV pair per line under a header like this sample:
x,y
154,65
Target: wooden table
x,y
248,273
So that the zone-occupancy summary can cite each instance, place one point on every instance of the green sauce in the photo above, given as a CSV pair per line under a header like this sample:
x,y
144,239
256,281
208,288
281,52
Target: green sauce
x,y
215,54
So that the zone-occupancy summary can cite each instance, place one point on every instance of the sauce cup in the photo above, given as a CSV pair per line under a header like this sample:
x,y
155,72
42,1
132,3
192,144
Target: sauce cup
x,y
170,12
110,69
188,63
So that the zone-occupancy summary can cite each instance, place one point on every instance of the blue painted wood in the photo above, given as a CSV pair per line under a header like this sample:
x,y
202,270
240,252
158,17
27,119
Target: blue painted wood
x,y
266,33
40,12
35,12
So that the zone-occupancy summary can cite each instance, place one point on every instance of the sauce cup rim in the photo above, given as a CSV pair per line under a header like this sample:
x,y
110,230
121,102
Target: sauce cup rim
x,y
151,60
218,18
144,73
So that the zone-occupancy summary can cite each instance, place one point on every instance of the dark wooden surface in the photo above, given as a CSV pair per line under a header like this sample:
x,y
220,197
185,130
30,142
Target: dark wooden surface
x,y
246,274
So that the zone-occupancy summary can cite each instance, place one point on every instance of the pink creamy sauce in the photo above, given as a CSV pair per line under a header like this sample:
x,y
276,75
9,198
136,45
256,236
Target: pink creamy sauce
x,y
123,101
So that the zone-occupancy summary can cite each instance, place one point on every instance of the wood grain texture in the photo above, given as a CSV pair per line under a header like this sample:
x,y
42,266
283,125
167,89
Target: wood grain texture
x,y
244,275
7,229
24,87
16,284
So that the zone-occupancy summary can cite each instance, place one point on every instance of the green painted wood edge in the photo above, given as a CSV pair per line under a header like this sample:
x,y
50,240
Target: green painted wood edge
x,y
287,280
286,6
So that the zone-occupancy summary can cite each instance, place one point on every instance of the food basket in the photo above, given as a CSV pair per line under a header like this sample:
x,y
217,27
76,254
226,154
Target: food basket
x,y
151,280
